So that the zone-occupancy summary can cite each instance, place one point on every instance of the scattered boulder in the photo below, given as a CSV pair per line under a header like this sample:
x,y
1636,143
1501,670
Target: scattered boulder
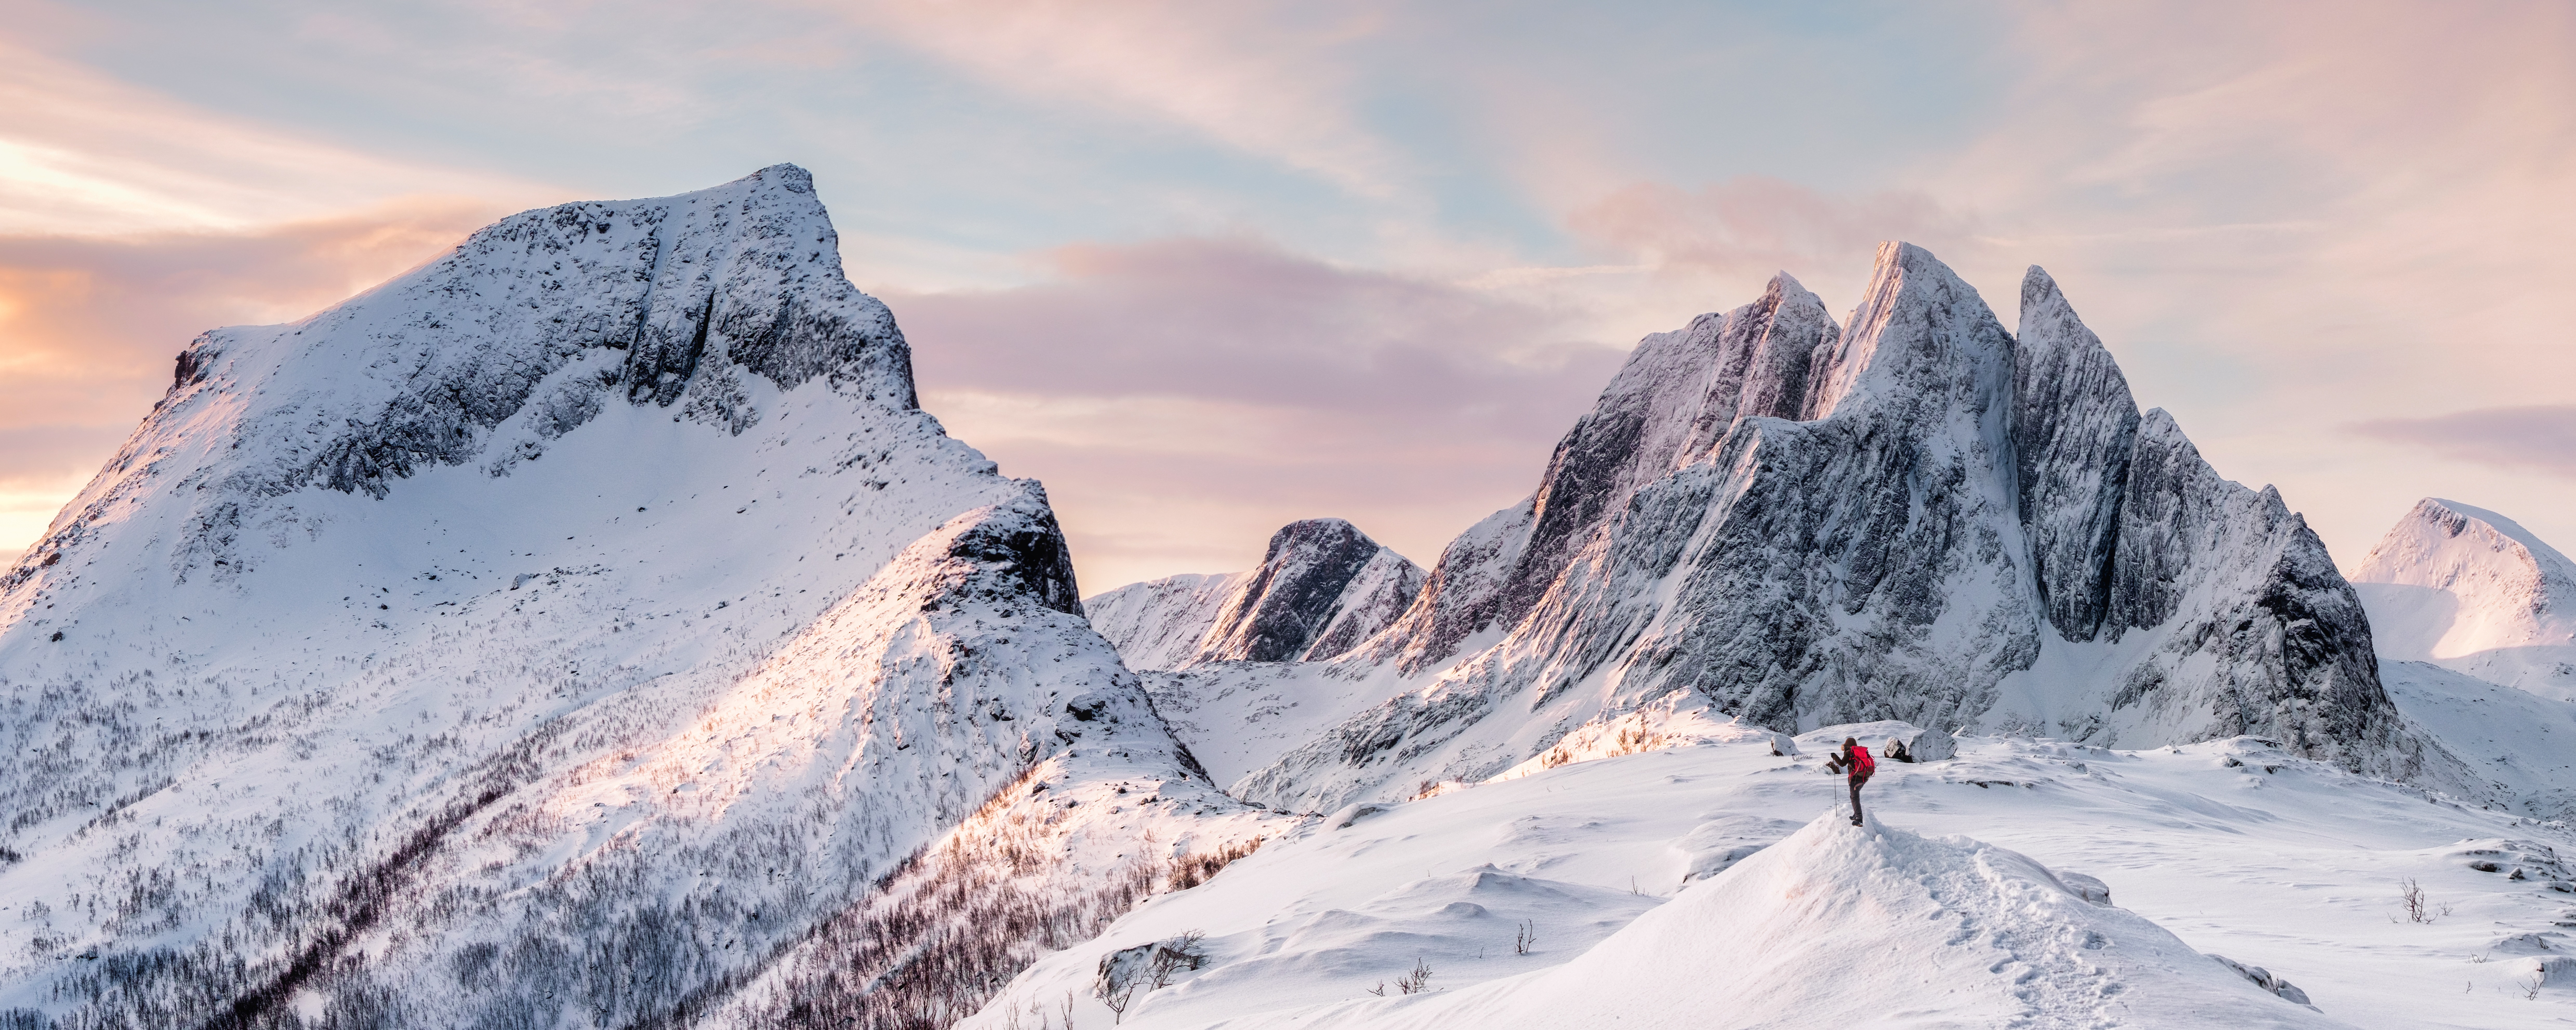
x,y
2264,979
2523,944
1349,814
2520,859
2086,887
1147,966
2550,968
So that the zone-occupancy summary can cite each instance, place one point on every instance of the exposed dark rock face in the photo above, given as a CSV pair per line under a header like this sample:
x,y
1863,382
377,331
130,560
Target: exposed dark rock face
x,y
1381,590
1285,603
1322,588
2074,421
1028,553
2259,633
1676,396
1798,572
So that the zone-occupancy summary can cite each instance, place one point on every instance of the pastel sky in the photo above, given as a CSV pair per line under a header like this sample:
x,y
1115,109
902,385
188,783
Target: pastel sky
x,y
1207,268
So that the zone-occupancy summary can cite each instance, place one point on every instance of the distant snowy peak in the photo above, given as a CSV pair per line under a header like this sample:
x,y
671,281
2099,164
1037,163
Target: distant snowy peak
x,y
1157,624
2476,593
1322,587
2497,585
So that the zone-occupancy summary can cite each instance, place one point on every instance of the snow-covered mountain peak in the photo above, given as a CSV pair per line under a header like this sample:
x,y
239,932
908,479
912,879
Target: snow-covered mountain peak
x,y
599,582
1944,537
1917,325
2453,581
1322,587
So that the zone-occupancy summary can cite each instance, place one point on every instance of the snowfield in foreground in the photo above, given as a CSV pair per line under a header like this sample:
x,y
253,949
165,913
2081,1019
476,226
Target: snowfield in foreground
x,y
1678,887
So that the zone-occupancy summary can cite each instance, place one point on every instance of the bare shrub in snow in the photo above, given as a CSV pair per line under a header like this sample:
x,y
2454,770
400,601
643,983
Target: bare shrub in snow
x,y
1417,981
2418,910
1118,1000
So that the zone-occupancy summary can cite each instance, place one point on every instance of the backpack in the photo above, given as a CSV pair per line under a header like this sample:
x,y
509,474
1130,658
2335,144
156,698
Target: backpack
x,y
1862,764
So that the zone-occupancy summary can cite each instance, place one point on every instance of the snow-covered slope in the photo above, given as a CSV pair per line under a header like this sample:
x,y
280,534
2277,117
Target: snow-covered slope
x,y
1699,885
1159,623
1916,515
1841,926
2521,744
1322,587
2471,590
546,637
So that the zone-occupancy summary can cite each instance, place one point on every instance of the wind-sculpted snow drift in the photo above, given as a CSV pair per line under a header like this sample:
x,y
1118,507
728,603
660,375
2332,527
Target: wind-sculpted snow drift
x,y
552,636
1838,925
1914,515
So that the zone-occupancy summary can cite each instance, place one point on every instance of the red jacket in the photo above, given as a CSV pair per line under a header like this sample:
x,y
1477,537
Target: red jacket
x,y
1861,764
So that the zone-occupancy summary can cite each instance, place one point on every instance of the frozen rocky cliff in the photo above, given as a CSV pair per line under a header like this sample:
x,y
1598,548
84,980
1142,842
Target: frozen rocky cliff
x,y
2473,591
552,636
1914,515
1322,587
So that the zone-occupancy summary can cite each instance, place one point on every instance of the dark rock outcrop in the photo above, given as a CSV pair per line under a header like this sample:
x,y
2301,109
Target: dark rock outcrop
x,y
2073,424
1322,588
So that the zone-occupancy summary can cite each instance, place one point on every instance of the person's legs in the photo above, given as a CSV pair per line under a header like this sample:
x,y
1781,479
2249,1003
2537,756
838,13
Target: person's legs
x,y
1855,789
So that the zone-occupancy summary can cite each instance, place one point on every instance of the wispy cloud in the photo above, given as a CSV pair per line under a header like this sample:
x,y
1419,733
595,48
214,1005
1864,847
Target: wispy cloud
x,y
82,153
1267,78
2538,437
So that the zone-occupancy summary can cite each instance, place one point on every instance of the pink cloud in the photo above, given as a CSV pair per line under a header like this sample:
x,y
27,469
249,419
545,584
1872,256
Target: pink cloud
x,y
2539,437
88,326
1182,398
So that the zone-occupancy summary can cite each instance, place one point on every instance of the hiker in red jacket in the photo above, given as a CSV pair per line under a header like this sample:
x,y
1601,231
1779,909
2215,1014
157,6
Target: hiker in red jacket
x,y
1856,759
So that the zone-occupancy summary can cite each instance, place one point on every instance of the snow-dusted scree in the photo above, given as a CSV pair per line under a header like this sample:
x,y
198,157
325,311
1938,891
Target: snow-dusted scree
x,y
587,629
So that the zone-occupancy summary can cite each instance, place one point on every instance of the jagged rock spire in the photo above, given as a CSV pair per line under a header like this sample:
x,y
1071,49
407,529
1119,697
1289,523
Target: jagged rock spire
x,y
2073,424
